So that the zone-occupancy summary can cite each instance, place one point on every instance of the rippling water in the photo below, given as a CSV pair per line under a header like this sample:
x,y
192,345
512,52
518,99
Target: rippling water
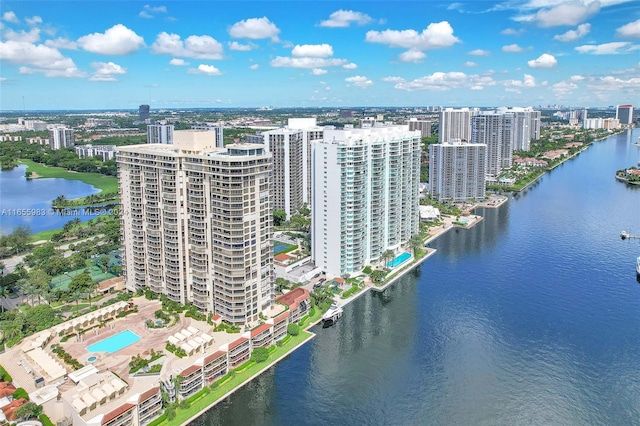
x,y
532,317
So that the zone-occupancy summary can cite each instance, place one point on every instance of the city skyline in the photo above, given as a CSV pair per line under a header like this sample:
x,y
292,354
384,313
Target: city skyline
x,y
70,55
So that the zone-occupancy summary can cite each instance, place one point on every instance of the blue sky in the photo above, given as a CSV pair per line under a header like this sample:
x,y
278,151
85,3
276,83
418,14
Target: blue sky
x,y
177,54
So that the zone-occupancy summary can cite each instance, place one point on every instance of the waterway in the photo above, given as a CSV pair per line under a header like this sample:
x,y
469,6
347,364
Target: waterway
x,y
531,318
27,202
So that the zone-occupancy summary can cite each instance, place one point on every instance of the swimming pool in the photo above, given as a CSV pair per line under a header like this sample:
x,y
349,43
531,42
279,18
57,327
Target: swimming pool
x,y
400,259
279,247
115,342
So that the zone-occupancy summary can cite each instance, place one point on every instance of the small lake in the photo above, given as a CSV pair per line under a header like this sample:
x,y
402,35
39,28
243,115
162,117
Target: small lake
x,y
18,196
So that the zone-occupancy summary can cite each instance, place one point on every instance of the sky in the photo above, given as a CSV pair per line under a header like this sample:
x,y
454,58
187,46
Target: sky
x,y
221,54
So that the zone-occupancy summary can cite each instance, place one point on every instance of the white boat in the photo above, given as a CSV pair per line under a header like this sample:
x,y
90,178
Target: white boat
x,y
638,265
332,315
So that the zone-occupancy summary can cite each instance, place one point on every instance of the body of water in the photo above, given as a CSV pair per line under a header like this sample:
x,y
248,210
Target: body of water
x,y
530,318
28,202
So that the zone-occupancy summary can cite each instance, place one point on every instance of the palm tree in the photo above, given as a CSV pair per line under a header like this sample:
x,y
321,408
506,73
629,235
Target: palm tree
x,y
387,256
4,292
415,242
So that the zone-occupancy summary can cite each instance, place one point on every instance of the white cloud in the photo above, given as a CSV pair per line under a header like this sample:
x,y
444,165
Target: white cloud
x,y
29,37
205,69
318,71
436,35
3,78
511,31
528,81
543,61
576,78
255,29
254,67
62,43
610,83
34,20
359,81
10,17
350,66
344,18
117,40
613,48
470,64
632,29
568,13
563,88
479,52
307,63
573,35
512,48
234,45
198,47
106,71
38,58
149,12
412,56
312,51
441,81
178,62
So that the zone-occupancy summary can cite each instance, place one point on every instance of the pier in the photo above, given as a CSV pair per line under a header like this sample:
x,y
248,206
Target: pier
x,y
624,235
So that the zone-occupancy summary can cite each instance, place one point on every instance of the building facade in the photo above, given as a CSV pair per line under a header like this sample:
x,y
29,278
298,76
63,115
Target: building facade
x,y
60,137
106,152
424,126
219,131
144,112
365,195
624,113
457,171
160,133
198,224
455,124
495,130
526,126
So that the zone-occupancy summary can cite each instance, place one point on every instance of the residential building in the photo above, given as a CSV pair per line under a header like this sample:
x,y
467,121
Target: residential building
x,y
160,133
144,112
219,131
423,125
455,124
457,171
526,126
60,137
624,113
106,152
291,175
198,226
364,195
495,130
99,122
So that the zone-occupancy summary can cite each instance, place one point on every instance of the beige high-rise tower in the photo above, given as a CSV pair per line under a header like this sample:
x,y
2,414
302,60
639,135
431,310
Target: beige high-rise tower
x,y
197,223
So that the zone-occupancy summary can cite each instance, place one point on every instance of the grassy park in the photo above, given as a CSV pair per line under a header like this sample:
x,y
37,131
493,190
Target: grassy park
x,y
107,184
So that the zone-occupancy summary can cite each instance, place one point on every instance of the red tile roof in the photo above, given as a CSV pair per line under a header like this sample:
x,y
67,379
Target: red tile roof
x,y
260,329
214,356
148,394
116,412
216,317
9,410
6,389
294,297
283,316
187,371
282,257
237,342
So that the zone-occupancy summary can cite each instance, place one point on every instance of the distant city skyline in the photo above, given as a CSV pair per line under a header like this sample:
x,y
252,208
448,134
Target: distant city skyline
x,y
119,55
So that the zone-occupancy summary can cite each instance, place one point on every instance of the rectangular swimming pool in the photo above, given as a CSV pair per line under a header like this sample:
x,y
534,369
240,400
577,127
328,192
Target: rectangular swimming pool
x,y
403,257
115,343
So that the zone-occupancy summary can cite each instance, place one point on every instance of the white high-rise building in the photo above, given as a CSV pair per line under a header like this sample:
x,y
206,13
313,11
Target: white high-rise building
x,y
219,130
291,150
495,130
60,137
198,224
365,195
423,125
455,124
526,126
624,113
457,171
160,133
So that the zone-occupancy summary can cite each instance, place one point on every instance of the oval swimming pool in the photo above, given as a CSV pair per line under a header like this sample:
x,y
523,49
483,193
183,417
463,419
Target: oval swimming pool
x,y
115,342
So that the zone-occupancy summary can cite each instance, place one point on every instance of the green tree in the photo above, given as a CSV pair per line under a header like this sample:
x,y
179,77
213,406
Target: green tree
x,y
387,256
259,355
41,283
415,242
293,329
378,276
28,411
279,217
4,292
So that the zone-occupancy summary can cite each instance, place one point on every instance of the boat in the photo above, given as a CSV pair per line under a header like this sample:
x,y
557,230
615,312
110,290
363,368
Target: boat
x,y
638,266
331,316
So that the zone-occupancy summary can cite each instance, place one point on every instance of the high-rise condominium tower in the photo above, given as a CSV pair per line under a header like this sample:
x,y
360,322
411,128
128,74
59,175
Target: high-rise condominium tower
x,y
160,133
457,171
423,125
197,224
526,126
495,130
624,113
291,150
455,124
143,112
365,195
61,137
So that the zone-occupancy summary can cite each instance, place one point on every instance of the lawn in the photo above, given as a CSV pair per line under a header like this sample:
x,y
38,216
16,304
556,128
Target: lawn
x,y
62,281
280,247
182,416
43,235
107,184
